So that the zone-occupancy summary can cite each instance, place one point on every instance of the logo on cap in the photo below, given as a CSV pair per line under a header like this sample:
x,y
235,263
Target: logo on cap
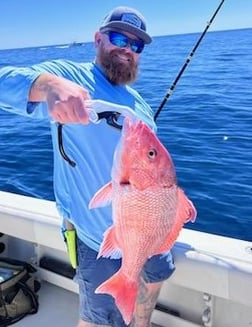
x,y
131,19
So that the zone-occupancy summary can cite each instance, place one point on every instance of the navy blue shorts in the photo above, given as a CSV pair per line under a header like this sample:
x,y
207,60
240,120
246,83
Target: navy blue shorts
x,y
91,272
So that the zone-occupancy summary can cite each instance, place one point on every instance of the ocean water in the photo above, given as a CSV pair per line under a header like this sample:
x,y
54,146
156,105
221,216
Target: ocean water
x,y
206,124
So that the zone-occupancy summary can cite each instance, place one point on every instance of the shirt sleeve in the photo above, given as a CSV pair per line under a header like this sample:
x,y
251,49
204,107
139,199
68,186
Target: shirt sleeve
x,y
16,82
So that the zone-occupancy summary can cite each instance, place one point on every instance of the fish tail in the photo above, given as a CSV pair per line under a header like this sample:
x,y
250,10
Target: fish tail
x,y
123,291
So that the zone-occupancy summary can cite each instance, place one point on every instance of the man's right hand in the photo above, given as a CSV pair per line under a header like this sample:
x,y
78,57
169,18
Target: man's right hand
x,y
65,99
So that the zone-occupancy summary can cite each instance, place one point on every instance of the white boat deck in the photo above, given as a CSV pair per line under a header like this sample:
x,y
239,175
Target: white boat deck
x,y
57,307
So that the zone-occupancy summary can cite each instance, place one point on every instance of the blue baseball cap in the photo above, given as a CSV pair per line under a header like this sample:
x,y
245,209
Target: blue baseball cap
x,y
127,19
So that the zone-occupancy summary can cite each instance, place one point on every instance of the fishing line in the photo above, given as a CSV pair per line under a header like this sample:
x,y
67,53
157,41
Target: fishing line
x,y
189,58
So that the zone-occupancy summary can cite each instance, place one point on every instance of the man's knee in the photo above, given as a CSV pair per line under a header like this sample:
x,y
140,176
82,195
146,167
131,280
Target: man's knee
x,y
158,268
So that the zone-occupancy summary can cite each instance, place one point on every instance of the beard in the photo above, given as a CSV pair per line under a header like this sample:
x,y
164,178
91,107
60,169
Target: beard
x,y
119,66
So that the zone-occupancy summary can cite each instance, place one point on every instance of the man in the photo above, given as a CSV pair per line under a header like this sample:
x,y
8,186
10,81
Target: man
x,y
60,89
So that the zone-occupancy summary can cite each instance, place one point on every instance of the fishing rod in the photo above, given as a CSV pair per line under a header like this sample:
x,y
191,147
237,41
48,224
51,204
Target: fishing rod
x,y
189,58
111,116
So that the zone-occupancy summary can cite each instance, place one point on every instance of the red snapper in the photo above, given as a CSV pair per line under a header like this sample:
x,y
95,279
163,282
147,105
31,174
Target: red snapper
x,y
149,210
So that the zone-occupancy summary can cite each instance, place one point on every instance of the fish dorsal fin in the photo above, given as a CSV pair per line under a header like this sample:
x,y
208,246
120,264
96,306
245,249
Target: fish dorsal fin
x,y
102,197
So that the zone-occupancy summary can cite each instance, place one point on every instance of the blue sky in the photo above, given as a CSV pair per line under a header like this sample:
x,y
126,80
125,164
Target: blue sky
x,y
32,23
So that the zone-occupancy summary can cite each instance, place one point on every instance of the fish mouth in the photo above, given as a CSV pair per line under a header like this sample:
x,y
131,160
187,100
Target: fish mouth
x,y
134,130
131,127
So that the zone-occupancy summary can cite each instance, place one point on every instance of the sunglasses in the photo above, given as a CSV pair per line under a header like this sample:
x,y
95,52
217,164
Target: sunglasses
x,y
122,41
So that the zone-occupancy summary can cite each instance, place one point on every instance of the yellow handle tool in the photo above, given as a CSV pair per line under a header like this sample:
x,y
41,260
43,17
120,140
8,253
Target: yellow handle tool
x,y
70,239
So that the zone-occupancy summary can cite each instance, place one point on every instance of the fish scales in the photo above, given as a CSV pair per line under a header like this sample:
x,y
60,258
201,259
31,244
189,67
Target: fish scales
x,y
149,210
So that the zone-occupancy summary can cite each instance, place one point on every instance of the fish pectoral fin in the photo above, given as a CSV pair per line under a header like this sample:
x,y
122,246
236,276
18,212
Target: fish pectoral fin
x,y
102,197
109,247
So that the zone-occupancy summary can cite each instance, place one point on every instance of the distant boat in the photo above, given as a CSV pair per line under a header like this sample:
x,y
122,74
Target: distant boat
x,y
62,46
74,44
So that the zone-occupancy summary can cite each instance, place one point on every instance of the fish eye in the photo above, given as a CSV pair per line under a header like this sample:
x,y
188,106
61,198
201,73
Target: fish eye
x,y
152,154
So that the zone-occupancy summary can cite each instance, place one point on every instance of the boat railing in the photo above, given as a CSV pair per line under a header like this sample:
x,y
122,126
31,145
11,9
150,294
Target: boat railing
x,y
213,267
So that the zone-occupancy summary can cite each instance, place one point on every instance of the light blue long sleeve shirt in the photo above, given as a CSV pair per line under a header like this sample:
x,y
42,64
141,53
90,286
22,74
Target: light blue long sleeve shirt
x,y
90,146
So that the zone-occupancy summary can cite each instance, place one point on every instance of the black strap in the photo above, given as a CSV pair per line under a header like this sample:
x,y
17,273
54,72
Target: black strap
x,y
7,320
34,298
